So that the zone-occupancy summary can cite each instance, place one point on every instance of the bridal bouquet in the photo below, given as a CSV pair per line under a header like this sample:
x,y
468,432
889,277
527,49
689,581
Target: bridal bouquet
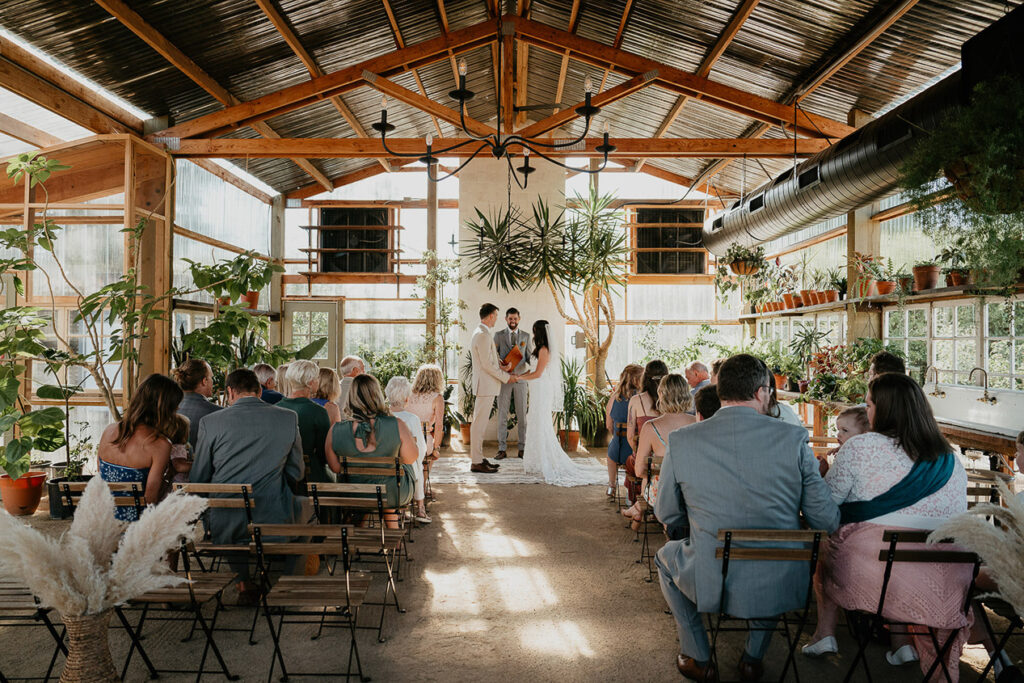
x,y
94,566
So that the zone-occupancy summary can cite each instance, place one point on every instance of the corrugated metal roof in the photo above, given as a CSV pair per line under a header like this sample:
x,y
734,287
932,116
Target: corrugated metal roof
x,y
780,45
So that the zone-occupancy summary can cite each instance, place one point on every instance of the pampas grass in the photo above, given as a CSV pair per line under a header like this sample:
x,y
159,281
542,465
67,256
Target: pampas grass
x,y
93,567
1000,548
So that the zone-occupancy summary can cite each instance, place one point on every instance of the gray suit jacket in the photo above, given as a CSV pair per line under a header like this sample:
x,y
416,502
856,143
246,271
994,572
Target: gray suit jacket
x,y
256,443
504,341
740,470
195,408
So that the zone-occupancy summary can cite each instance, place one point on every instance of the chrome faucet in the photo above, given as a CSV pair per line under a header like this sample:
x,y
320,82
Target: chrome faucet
x,y
936,391
991,400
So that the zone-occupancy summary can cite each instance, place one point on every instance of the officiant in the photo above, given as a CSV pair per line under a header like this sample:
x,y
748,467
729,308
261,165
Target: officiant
x,y
514,351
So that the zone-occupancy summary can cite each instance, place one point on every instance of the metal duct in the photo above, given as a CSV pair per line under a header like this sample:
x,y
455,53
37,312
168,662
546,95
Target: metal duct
x,y
861,168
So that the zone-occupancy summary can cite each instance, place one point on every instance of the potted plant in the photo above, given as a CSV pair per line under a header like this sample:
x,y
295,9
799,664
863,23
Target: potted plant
x,y
574,401
955,258
926,275
451,416
887,280
467,401
744,260
805,343
866,271
837,284
229,280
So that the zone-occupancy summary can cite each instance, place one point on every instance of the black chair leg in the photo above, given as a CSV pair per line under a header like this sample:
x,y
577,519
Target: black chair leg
x,y
136,641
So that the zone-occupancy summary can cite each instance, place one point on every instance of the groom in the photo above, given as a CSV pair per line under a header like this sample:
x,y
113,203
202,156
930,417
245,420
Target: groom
x,y
506,340
488,376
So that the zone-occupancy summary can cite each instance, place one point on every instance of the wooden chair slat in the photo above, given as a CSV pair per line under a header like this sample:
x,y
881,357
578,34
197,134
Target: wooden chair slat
x,y
331,487
780,535
906,536
766,554
935,556
373,472
332,502
193,487
987,476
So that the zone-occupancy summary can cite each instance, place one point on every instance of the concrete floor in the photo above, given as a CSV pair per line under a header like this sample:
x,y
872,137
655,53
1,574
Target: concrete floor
x,y
514,582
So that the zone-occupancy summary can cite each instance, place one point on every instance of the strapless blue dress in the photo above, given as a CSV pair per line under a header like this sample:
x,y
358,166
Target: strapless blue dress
x,y
121,473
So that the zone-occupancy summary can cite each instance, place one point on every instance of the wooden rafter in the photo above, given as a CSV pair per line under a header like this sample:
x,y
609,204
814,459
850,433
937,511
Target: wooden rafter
x,y
19,130
231,178
283,27
149,35
522,66
600,100
507,78
424,104
627,148
820,75
400,42
679,81
617,43
335,83
574,18
739,17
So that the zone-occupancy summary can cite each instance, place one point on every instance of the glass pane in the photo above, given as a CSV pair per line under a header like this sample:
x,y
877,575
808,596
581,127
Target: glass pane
x,y
1019,361
318,323
943,321
1019,384
965,326
998,320
917,323
917,355
999,382
895,324
999,356
943,354
300,323
1018,319
966,354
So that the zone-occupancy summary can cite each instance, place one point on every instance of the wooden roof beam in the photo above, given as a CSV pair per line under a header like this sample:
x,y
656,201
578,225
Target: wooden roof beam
x,y
346,179
507,77
400,42
149,35
232,179
680,81
19,130
424,104
739,17
284,28
627,148
335,83
600,100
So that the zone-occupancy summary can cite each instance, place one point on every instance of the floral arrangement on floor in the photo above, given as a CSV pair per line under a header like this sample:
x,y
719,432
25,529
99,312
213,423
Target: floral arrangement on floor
x,y
93,567
1001,548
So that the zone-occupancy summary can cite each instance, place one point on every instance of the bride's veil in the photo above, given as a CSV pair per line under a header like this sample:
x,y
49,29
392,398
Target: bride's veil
x,y
554,357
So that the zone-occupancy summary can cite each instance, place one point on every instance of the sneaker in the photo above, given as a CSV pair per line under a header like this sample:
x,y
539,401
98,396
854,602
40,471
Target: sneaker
x,y
904,655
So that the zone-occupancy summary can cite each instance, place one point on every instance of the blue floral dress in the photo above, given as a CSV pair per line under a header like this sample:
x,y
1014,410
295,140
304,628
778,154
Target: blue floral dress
x,y
122,473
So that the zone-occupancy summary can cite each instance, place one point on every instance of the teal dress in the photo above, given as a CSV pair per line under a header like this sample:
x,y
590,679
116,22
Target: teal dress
x,y
385,429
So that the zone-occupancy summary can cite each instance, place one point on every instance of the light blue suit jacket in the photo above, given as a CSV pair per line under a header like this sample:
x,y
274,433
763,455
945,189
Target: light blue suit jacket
x,y
740,470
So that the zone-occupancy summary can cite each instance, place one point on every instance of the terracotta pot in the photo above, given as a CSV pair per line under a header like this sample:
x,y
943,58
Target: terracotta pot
x,y
88,650
571,443
805,296
831,295
907,284
956,278
788,298
780,381
780,306
21,496
744,267
885,287
464,429
224,301
798,301
252,300
926,277
802,385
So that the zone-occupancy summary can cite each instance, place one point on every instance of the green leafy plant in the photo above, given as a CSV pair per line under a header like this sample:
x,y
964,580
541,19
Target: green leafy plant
x,y
740,267
394,361
696,346
442,278
234,278
579,255
574,398
806,341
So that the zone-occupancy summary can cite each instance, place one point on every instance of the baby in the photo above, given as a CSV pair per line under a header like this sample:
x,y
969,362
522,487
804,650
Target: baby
x,y
850,422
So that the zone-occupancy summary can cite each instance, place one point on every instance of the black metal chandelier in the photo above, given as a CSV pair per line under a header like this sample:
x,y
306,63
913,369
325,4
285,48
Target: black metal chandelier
x,y
500,146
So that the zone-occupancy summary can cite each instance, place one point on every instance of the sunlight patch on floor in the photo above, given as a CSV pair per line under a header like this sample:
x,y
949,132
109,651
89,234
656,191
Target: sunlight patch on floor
x,y
455,592
560,638
523,590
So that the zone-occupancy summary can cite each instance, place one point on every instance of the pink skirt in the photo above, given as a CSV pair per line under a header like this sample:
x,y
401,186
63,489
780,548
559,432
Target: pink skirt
x,y
918,593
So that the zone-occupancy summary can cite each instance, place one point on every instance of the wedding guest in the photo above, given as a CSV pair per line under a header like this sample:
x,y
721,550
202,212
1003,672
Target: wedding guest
x,y
268,381
675,402
181,452
195,377
642,408
771,476
368,431
398,392
250,442
716,366
697,376
138,447
427,404
706,402
616,414
327,393
314,422
901,475
350,368
281,379
885,361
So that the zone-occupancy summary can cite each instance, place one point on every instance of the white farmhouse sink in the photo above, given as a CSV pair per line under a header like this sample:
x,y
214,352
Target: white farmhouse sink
x,y
960,408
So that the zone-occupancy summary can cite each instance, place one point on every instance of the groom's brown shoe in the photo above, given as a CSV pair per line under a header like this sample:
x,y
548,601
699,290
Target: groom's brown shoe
x,y
501,455
520,453
483,468
490,464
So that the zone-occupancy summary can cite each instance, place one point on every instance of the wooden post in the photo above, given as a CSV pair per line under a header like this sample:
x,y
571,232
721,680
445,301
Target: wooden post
x,y
431,292
863,235
277,225
152,195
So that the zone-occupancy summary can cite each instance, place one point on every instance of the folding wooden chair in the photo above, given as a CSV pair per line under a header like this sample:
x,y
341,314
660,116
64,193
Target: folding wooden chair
x,y
386,543
931,555
373,467
783,550
647,518
134,494
19,608
303,597
203,588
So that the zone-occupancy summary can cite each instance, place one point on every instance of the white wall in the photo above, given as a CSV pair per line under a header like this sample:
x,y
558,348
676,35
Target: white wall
x,y
483,184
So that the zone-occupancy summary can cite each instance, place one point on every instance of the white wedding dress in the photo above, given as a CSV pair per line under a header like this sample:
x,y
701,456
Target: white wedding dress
x,y
543,455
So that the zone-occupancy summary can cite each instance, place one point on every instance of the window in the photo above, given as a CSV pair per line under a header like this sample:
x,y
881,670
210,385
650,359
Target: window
x,y
355,240
668,241
1004,344
907,329
78,341
308,326
955,341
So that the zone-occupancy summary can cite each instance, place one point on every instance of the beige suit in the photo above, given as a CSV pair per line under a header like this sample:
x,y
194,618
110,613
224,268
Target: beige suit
x,y
487,380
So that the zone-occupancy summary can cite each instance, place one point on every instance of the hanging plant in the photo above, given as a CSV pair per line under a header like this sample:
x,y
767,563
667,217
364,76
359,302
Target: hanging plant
x,y
741,261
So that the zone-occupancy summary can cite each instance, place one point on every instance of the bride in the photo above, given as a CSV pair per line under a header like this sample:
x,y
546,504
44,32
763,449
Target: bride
x,y
543,454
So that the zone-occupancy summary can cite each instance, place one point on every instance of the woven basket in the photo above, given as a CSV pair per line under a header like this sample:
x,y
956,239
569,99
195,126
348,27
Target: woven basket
x,y
88,650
